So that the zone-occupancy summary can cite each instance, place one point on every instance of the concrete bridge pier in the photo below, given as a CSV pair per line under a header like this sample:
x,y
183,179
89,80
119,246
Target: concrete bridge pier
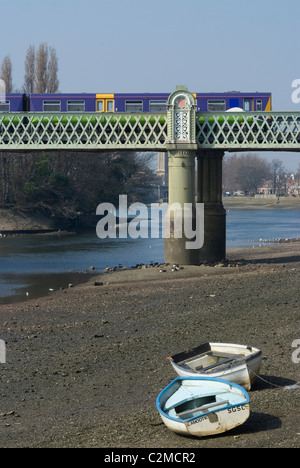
x,y
205,241
181,193
209,192
181,146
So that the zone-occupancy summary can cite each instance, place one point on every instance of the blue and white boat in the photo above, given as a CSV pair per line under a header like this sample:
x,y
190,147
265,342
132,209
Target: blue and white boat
x,y
202,406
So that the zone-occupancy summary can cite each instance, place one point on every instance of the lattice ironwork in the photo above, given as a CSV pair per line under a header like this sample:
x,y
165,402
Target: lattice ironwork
x,y
244,131
147,132
38,131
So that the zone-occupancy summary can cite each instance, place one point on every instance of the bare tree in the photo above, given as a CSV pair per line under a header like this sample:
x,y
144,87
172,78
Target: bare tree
x,y
46,70
278,175
252,172
4,180
42,69
245,172
6,74
29,78
52,72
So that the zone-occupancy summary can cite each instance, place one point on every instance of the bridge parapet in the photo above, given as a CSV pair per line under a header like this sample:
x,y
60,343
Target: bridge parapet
x,y
181,126
244,131
83,132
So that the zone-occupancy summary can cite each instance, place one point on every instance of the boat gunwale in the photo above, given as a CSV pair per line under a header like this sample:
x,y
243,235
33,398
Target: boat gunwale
x,y
181,357
235,366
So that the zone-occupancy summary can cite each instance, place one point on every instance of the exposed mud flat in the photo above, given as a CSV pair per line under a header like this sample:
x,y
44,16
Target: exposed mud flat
x,y
85,365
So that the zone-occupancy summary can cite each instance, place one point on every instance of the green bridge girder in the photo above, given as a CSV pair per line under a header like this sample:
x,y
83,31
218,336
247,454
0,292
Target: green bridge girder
x,y
255,131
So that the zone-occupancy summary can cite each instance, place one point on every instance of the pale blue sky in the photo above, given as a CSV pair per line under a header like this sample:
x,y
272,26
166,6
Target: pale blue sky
x,y
154,45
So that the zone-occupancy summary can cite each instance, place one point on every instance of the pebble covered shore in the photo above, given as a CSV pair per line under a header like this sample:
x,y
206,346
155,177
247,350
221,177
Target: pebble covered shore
x,y
85,365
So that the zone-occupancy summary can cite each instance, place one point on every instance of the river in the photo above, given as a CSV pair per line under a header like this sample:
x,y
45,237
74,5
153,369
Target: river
x,y
38,265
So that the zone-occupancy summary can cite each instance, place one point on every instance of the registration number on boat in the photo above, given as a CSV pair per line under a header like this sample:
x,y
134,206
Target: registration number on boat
x,y
235,409
195,421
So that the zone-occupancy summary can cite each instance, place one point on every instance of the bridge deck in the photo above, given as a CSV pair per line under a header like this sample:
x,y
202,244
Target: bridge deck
x,y
271,131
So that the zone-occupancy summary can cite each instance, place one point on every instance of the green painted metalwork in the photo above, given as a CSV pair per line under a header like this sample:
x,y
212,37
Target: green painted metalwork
x,y
181,117
257,131
88,132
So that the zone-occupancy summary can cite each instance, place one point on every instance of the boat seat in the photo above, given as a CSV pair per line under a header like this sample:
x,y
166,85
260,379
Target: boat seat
x,y
183,395
237,359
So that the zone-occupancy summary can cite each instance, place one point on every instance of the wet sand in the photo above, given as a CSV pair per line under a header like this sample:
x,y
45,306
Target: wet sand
x,y
85,365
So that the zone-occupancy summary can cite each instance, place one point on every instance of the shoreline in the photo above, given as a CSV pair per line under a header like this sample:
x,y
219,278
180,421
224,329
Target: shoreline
x,y
251,203
84,276
85,365
15,222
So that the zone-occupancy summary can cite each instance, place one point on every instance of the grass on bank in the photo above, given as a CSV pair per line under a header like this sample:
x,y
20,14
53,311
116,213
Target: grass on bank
x,y
244,203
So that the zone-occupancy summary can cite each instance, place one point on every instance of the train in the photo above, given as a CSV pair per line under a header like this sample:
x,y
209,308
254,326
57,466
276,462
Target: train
x,y
132,102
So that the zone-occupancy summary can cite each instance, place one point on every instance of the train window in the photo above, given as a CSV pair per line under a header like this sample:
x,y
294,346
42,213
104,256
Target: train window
x,y
259,105
110,106
100,106
51,106
247,105
216,105
134,106
4,106
76,106
158,106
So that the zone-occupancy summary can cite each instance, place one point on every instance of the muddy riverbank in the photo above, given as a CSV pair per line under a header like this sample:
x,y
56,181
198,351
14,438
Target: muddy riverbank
x,y
85,365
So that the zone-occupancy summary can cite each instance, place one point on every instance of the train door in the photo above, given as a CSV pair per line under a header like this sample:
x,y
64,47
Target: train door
x,y
234,102
105,103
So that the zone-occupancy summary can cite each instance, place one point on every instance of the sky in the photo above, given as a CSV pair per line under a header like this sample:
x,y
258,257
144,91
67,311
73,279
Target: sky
x,y
155,45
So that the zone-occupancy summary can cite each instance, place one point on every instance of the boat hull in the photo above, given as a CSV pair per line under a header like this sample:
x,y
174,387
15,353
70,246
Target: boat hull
x,y
211,424
214,418
239,364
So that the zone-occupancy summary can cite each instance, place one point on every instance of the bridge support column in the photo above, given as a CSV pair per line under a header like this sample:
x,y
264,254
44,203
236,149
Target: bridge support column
x,y
181,146
209,192
181,192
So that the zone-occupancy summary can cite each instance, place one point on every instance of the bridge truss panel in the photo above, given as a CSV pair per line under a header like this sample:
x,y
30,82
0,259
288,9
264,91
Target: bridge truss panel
x,y
269,131
256,131
82,132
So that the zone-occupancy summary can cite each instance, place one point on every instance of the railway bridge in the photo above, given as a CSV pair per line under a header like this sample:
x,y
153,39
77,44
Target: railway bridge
x,y
185,134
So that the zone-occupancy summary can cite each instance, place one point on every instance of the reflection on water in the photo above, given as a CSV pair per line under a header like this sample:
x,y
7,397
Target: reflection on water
x,y
38,265
15,288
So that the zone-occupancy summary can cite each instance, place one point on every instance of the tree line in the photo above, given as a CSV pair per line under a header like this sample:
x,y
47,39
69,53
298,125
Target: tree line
x,y
249,172
41,71
64,185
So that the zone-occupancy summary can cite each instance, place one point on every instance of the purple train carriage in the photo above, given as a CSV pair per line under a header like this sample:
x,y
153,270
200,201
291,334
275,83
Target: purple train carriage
x,y
121,102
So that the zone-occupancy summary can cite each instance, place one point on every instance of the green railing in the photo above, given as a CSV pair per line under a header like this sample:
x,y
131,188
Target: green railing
x,y
249,131
89,131
147,132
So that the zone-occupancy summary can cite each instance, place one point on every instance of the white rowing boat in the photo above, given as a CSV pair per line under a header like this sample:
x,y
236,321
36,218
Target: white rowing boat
x,y
202,406
235,363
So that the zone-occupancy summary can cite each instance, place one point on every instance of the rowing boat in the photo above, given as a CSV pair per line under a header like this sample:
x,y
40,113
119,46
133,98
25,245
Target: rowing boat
x,y
235,363
202,406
